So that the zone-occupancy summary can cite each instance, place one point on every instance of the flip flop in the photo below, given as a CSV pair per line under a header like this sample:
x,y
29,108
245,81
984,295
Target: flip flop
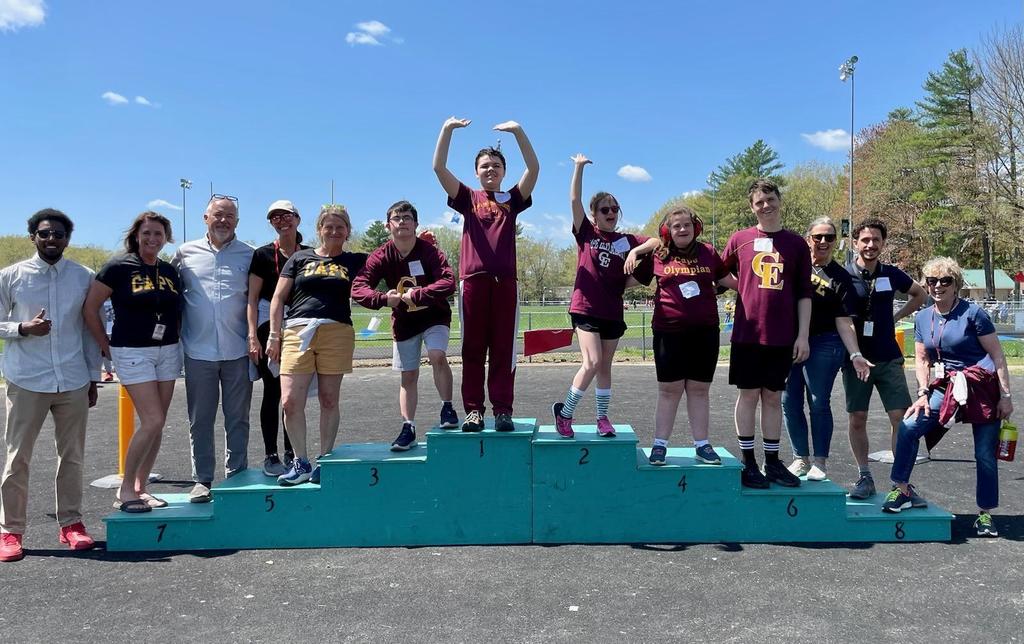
x,y
152,501
135,506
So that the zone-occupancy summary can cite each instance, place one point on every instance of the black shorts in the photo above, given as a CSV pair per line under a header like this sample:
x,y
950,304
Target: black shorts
x,y
756,366
690,354
607,329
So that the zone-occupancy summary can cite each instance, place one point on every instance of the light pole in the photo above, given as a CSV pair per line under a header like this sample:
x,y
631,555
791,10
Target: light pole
x,y
185,185
846,71
714,209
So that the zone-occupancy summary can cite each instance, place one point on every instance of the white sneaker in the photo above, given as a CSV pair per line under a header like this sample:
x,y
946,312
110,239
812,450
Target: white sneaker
x,y
799,467
817,472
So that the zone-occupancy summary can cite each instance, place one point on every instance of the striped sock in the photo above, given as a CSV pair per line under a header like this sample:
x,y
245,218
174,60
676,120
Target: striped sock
x,y
603,398
771,450
747,447
572,398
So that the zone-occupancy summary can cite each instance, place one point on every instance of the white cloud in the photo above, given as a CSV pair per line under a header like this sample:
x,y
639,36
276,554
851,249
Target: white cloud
x,y
830,140
634,173
371,32
15,14
142,100
162,203
114,98
691,193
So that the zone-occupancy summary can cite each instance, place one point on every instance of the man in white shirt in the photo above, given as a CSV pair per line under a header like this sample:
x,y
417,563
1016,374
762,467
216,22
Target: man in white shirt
x,y
215,279
52,366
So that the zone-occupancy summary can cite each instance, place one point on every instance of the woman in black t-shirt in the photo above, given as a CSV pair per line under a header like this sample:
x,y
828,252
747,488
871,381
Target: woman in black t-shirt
x,y
315,336
267,262
145,292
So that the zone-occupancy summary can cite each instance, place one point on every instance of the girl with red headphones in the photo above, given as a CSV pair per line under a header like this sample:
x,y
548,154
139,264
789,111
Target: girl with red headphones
x,y
606,259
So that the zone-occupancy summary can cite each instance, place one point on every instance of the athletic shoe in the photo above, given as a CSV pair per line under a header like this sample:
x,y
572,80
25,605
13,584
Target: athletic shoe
x,y
896,501
658,454
449,419
272,466
503,423
76,537
983,524
752,477
777,473
300,473
406,438
563,425
916,499
474,422
289,458
605,428
707,454
817,472
314,476
864,489
10,547
201,493
799,466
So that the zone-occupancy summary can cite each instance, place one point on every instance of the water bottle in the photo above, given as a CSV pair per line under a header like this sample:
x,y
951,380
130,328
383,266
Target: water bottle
x,y
1007,441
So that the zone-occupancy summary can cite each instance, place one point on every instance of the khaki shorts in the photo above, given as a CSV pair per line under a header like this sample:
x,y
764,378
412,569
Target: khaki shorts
x,y
887,377
329,353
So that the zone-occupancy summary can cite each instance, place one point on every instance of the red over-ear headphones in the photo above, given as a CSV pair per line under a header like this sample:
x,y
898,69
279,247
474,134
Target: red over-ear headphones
x,y
666,235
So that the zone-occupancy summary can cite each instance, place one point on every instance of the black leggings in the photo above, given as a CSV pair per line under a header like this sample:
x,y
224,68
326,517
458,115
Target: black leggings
x,y
270,409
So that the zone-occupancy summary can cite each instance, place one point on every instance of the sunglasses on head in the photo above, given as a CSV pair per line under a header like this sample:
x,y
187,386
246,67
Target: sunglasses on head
x,y
827,237
604,210
942,281
218,197
51,234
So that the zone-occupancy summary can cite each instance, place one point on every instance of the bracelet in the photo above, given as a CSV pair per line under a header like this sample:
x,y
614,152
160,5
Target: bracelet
x,y
923,391
854,356
1005,394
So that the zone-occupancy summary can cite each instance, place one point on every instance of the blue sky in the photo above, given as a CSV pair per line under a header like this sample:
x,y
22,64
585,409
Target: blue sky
x,y
272,100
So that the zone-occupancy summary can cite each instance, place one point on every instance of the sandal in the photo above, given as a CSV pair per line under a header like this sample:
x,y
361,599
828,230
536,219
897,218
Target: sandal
x,y
152,501
134,506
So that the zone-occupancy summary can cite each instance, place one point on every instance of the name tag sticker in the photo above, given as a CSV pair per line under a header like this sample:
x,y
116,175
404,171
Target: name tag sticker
x,y
882,284
689,289
158,331
869,329
763,245
502,197
415,268
621,245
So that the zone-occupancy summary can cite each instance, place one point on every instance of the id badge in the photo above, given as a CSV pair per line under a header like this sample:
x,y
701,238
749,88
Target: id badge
x,y
869,329
690,289
415,268
938,370
158,331
763,245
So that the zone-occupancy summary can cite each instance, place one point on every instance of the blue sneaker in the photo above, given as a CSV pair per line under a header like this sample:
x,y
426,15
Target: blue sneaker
x,y
706,454
406,438
449,419
300,473
658,454
315,476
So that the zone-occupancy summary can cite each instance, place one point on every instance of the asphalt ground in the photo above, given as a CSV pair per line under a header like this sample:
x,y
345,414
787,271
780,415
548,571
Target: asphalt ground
x,y
968,589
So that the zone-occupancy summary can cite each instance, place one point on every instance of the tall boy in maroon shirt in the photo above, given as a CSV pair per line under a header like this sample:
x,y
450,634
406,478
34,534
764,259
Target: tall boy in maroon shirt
x,y
487,268
773,316
419,280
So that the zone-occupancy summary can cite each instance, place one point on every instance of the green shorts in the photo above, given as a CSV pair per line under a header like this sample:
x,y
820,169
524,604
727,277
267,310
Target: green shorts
x,y
888,378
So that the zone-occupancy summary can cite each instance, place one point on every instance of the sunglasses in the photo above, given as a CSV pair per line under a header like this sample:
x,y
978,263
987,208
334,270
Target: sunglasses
x,y
278,216
51,234
827,237
609,209
942,281
218,197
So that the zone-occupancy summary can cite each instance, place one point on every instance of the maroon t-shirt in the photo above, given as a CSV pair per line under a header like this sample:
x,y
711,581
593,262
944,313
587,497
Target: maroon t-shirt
x,y
600,280
685,296
425,268
489,231
773,274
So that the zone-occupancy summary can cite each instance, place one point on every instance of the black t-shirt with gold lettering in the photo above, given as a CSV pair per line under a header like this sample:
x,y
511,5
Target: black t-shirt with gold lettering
x,y
322,285
143,297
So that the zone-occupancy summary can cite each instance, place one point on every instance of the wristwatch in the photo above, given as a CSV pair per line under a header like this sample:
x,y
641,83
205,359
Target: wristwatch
x,y
854,356
1005,394
923,391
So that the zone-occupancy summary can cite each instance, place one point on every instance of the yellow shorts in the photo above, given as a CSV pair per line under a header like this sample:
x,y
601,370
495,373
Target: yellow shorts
x,y
329,353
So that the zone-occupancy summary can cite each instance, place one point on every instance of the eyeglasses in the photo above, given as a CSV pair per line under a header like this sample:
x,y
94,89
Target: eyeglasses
x,y
51,234
943,281
218,197
609,209
828,237
278,216
401,219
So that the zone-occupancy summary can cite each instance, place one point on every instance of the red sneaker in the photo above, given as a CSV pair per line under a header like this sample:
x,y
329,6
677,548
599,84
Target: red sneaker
x,y
76,537
10,547
563,425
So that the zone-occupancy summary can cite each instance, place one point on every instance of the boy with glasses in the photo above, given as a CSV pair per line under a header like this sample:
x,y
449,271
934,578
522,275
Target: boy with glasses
x,y
419,282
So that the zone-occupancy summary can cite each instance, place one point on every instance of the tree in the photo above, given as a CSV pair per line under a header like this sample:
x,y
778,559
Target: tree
x,y
812,191
539,268
374,237
730,181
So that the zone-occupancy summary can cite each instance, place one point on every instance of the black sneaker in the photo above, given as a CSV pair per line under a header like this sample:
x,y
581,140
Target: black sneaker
x,y
916,500
779,474
474,422
751,477
658,454
406,438
983,524
449,419
896,501
864,489
503,423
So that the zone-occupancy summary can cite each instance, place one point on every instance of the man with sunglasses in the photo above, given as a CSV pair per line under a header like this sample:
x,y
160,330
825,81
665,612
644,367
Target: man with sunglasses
x,y
214,333
52,366
875,285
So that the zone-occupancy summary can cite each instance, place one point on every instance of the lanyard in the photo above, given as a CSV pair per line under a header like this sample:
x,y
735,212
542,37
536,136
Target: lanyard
x,y
942,329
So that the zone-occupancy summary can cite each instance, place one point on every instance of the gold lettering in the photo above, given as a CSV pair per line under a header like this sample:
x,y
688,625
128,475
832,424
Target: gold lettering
x,y
768,266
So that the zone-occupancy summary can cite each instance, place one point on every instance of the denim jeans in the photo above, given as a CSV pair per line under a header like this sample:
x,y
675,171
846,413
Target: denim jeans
x,y
813,380
986,439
